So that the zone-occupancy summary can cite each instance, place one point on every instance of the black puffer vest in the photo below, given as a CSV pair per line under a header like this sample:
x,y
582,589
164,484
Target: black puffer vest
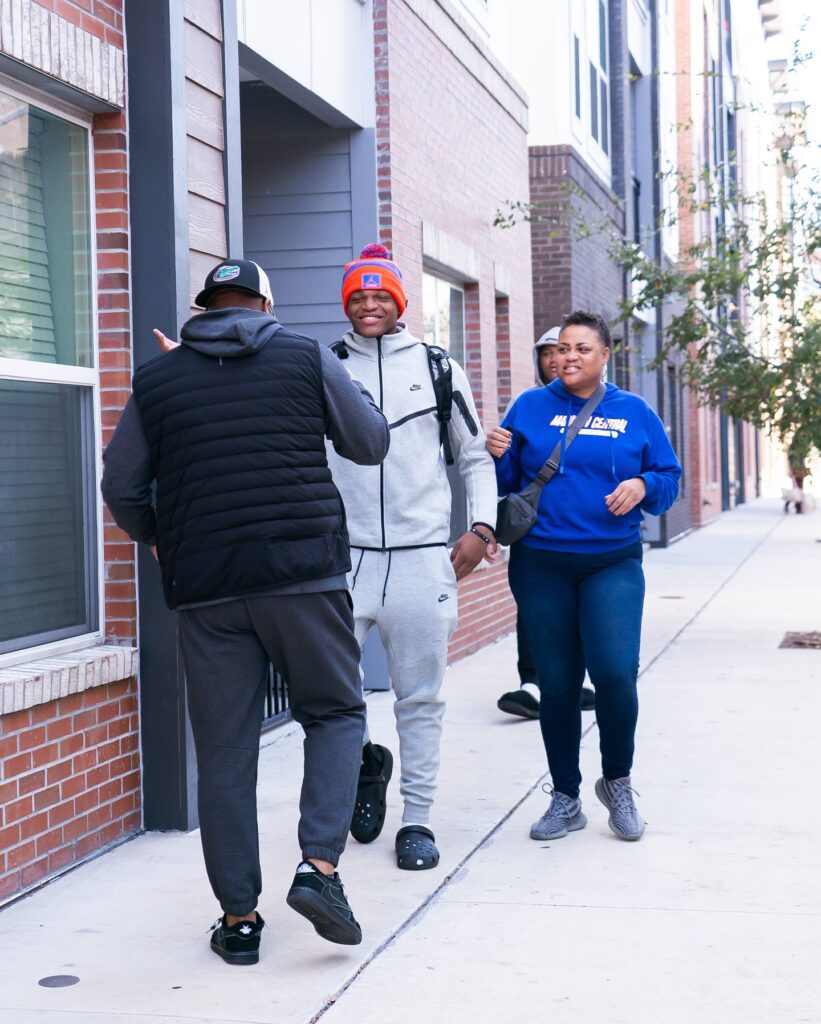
x,y
235,423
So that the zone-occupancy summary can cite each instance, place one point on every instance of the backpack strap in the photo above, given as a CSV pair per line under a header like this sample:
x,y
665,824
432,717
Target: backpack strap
x,y
340,349
441,375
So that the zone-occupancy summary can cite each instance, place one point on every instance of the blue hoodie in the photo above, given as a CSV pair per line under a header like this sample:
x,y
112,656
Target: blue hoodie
x,y
624,438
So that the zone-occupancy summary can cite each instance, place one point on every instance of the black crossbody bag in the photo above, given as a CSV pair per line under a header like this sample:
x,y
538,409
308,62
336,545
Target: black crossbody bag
x,y
516,514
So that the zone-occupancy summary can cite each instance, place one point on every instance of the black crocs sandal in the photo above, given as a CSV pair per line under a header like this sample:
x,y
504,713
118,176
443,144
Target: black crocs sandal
x,y
371,798
415,848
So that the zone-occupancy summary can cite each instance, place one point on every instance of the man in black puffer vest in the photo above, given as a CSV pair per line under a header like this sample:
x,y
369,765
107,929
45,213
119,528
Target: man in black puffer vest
x,y
250,533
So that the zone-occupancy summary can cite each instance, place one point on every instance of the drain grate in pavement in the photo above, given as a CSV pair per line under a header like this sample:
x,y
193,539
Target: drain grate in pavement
x,y
805,641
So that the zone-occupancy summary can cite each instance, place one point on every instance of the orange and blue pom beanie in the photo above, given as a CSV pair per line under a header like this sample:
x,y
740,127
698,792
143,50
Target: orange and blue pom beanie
x,y
374,270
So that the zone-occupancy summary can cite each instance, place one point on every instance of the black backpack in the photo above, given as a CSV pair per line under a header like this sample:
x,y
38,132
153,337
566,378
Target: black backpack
x,y
441,376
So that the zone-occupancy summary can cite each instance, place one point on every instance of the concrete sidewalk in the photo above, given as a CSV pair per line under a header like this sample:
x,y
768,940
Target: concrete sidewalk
x,y
715,916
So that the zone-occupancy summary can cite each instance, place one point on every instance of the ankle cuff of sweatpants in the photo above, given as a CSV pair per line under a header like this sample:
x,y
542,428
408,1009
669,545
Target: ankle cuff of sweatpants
x,y
328,853
239,909
416,814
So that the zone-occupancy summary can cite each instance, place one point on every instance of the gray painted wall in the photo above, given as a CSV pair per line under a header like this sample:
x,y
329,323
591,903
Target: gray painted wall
x,y
297,208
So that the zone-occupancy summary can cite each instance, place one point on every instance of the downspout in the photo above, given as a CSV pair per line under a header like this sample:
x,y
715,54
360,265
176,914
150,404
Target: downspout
x,y
658,255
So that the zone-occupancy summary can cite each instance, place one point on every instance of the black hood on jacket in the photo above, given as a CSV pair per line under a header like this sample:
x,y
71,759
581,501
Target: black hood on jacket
x,y
229,333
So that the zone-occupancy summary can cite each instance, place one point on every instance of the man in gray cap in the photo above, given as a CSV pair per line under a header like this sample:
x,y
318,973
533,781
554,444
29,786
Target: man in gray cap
x,y
229,427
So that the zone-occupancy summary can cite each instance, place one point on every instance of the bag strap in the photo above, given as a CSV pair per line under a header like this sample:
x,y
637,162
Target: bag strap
x,y
548,470
441,375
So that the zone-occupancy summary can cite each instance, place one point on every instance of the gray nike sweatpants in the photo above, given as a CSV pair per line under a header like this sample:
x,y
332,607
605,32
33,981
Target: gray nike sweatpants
x,y
410,596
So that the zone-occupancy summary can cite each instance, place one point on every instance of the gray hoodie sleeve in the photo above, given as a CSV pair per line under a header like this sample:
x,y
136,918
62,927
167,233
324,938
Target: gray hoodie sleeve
x,y
127,477
354,423
474,463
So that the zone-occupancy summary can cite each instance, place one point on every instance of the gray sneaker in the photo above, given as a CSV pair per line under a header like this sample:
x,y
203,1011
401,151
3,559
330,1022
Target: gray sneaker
x,y
617,797
562,816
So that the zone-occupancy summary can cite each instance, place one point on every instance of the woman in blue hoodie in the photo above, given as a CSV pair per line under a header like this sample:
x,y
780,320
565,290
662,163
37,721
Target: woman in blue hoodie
x,y
577,575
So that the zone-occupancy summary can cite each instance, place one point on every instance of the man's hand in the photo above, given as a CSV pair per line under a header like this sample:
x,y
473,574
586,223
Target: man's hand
x,y
498,441
626,496
469,551
166,344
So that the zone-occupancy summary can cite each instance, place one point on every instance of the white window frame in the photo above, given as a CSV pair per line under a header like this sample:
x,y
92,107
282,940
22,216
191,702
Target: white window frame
x,y
594,58
459,286
584,24
53,373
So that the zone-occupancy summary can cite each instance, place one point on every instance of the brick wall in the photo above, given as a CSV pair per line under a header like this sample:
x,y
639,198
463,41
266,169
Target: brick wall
x,y
504,384
450,152
570,273
69,782
114,326
70,768
100,18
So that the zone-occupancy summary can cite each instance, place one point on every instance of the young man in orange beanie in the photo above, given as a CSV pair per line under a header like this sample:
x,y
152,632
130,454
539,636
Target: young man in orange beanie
x,y
398,516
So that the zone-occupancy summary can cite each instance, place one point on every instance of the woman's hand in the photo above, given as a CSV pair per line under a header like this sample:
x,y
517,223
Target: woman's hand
x,y
498,441
626,496
166,344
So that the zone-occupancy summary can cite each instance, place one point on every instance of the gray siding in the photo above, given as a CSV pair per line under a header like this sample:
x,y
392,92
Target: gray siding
x,y
297,219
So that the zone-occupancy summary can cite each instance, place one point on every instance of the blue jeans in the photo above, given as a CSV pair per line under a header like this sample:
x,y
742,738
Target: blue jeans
x,y
583,610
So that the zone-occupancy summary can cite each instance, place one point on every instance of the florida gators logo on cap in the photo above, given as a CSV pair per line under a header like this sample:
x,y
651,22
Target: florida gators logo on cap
x,y
226,274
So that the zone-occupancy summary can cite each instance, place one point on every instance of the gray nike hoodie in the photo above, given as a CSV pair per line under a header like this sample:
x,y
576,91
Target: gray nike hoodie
x,y
406,501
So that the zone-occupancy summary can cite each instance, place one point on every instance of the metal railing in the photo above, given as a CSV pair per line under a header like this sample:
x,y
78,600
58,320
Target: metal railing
x,y
277,706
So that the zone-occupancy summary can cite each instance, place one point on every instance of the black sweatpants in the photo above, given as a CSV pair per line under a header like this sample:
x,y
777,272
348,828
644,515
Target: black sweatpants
x,y
226,649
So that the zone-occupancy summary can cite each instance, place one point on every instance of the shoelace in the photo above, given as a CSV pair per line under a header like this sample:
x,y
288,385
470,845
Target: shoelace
x,y
559,801
622,797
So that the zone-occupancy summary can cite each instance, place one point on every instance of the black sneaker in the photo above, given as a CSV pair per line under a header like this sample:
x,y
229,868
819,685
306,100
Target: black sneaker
x,y
588,699
322,900
237,943
519,702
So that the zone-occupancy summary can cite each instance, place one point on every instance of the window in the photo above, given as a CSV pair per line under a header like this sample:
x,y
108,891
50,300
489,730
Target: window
x,y
49,587
443,316
602,36
443,320
599,87
577,77
605,141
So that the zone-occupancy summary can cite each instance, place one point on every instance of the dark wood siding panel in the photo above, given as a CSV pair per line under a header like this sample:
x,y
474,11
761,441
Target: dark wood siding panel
x,y
204,123
200,264
205,171
206,14
203,115
203,59
206,226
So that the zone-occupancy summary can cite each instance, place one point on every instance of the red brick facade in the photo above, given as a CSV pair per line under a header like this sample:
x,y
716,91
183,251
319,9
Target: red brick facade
x,y
70,768
449,155
70,782
101,18
114,324
570,273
